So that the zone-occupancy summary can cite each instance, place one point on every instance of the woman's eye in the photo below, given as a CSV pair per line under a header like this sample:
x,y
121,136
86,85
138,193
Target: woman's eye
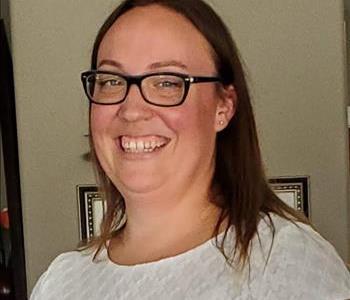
x,y
168,84
111,82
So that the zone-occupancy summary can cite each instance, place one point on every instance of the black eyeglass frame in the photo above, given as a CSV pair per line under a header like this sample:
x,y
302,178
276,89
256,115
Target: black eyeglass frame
x,y
188,80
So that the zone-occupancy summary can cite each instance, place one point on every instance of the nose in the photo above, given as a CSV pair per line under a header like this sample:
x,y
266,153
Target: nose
x,y
134,108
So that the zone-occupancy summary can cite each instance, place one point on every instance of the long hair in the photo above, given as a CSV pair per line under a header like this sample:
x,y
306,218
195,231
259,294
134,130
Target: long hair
x,y
245,195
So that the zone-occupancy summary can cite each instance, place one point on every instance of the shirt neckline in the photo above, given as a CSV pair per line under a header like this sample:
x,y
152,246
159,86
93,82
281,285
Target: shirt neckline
x,y
171,259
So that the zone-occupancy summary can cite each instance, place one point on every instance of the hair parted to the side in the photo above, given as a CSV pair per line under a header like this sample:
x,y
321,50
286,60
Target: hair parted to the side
x,y
245,195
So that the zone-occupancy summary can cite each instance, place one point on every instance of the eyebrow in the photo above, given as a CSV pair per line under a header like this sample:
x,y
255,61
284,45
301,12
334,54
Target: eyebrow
x,y
155,65
168,63
110,62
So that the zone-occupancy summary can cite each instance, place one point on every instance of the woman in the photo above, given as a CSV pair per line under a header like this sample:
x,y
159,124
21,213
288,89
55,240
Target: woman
x,y
177,155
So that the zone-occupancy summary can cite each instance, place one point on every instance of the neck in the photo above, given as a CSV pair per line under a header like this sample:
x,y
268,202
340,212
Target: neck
x,y
157,217
160,225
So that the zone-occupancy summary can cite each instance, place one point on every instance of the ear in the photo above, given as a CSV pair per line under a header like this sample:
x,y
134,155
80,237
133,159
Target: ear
x,y
226,107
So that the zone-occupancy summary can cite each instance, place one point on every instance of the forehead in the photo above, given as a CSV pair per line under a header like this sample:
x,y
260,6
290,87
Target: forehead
x,y
148,35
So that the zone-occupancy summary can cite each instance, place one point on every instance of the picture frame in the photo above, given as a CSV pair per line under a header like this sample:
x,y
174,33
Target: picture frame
x,y
91,208
294,191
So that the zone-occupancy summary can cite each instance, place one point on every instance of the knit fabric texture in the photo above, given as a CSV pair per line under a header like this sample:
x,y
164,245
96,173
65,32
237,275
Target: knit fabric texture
x,y
299,265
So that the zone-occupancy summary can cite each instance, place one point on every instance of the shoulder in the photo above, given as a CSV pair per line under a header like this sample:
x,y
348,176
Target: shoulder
x,y
70,262
301,242
66,258
299,262
65,267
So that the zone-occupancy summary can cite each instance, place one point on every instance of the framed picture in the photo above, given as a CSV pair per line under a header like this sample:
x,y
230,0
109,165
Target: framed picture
x,y
91,209
294,191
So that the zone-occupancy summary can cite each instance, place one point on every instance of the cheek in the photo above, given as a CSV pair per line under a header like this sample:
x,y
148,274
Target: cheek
x,y
195,119
100,118
100,121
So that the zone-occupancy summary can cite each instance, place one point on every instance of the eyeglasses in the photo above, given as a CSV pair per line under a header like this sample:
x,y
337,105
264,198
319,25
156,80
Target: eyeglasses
x,y
160,89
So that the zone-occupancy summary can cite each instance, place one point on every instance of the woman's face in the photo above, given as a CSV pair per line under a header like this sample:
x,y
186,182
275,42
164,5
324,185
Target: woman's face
x,y
147,40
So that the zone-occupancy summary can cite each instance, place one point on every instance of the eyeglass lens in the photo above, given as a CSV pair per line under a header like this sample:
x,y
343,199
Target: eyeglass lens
x,y
157,89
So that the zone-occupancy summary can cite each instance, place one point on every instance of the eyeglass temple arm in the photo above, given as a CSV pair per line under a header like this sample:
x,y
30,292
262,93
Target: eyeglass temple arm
x,y
197,79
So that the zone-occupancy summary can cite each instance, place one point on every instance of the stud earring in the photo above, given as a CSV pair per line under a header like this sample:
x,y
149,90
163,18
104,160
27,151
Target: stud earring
x,y
221,122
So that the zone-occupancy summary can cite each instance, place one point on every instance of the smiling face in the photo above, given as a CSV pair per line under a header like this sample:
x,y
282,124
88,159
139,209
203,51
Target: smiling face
x,y
142,147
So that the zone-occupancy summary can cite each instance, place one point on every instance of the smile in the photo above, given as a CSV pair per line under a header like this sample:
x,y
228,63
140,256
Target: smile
x,y
142,144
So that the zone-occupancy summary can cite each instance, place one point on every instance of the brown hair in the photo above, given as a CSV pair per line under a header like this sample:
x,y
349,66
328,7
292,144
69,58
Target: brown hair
x,y
246,196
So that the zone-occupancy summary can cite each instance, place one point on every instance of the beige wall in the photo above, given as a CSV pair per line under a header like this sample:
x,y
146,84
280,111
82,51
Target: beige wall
x,y
295,56
51,46
347,43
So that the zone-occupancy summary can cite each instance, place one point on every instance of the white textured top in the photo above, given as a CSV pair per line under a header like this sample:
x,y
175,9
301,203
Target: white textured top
x,y
302,265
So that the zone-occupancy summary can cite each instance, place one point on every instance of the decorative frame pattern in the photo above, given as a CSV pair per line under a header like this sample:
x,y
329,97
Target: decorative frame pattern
x,y
294,191
91,208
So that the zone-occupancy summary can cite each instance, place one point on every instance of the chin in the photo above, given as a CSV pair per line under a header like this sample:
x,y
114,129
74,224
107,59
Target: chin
x,y
137,185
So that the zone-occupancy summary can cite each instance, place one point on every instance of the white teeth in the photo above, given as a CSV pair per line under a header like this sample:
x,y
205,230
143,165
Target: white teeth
x,y
140,146
137,146
132,146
